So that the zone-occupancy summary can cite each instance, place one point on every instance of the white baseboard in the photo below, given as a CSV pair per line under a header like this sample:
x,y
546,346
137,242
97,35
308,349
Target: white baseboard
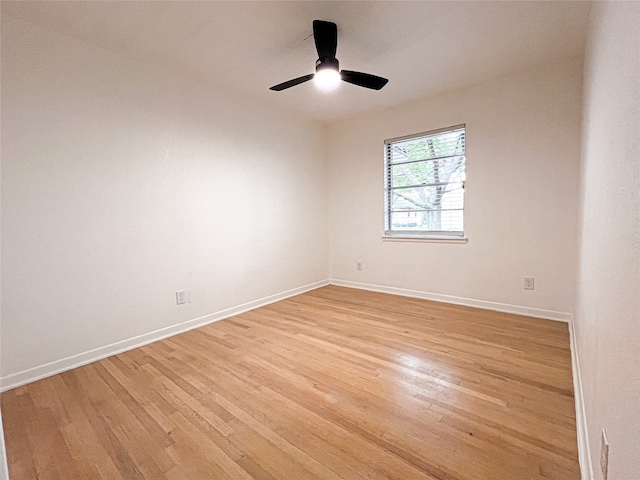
x,y
584,453
4,468
52,368
468,302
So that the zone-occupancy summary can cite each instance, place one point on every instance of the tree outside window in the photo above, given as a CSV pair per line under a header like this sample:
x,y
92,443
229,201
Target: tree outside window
x,y
425,183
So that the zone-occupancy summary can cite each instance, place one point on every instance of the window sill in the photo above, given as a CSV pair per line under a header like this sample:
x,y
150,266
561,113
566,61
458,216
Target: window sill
x,y
423,239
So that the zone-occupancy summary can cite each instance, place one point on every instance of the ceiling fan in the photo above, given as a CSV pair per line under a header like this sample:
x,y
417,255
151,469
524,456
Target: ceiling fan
x,y
327,74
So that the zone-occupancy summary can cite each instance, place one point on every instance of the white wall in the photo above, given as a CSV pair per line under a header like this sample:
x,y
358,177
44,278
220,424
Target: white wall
x,y
4,467
607,311
523,146
122,184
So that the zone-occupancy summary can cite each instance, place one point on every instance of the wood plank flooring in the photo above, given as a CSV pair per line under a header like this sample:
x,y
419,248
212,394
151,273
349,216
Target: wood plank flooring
x,y
334,383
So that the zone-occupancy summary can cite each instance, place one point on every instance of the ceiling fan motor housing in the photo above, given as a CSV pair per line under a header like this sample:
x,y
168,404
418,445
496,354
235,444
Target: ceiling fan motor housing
x,y
327,62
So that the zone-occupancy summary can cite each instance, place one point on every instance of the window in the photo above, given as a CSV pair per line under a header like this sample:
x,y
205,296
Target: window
x,y
424,177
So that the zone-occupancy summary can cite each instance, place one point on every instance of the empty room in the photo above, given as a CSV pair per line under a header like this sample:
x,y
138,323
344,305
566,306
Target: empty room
x,y
320,240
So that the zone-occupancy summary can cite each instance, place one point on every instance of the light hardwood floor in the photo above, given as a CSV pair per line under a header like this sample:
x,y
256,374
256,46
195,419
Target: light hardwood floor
x,y
334,383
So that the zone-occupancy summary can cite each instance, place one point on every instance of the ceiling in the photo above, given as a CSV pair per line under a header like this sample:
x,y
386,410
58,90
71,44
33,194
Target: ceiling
x,y
241,47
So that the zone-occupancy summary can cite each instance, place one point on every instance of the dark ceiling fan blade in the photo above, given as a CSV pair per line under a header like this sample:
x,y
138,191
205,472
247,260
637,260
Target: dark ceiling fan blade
x,y
292,83
365,80
325,35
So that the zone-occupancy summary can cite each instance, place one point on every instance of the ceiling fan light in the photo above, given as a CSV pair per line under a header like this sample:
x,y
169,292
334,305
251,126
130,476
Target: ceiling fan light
x,y
327,79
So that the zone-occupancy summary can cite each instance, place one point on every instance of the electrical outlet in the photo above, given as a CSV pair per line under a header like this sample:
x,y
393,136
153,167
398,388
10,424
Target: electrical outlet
x,y
359,266
604,454
529,283
181,297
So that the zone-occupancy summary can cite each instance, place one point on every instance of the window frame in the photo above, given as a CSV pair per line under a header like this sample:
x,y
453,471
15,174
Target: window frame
x,y
443,236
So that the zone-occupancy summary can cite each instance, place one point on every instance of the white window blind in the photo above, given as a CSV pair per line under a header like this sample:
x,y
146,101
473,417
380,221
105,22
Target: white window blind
x,y
425,179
